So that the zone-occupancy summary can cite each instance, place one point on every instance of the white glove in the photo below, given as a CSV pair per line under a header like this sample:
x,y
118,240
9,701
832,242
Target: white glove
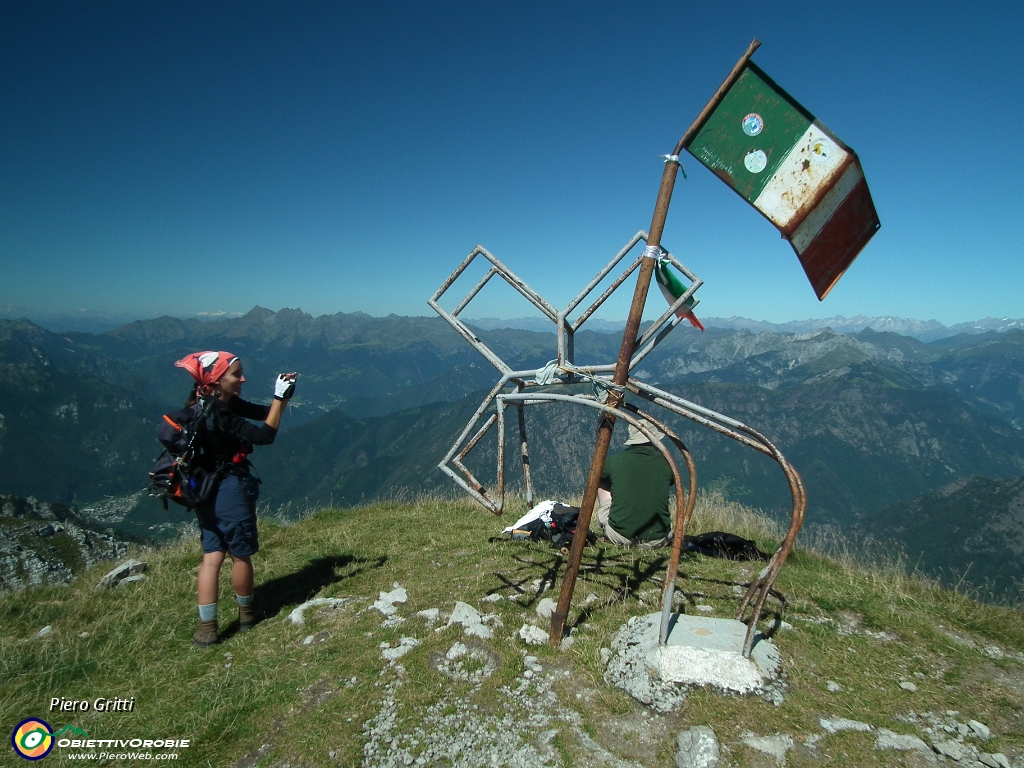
x,y
284,387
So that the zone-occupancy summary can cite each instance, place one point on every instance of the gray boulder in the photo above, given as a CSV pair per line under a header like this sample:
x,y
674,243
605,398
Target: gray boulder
x,y
898,741
697,748
123,571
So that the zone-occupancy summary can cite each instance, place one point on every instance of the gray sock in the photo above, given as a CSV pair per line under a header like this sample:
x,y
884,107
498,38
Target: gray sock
x,y
245,600
208,612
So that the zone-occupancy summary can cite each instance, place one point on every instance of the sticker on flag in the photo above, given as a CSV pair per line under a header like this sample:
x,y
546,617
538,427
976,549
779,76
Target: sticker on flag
x,y
792,169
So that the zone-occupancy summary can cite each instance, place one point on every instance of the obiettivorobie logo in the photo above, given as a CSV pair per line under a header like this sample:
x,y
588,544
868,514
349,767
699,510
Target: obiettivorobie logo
x,y
33,739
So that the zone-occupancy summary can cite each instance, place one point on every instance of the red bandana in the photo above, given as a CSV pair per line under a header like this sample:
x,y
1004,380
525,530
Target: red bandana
x,y
207,367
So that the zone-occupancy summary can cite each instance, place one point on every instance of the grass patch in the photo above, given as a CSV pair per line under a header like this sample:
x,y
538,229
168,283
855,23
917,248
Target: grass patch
x,y
265,698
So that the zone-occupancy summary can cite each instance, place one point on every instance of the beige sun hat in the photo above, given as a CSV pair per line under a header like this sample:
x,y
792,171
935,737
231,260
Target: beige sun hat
x,y
636,437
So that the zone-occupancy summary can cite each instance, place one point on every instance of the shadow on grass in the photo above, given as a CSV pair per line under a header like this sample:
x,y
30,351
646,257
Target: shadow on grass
x,y
304,584
623,572
620,571
523,579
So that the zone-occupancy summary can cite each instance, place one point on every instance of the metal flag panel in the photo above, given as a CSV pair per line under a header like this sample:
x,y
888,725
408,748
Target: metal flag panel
x,y
792,169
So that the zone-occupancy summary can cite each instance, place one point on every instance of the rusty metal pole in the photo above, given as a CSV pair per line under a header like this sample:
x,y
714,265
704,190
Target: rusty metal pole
x,y
636,309
604,434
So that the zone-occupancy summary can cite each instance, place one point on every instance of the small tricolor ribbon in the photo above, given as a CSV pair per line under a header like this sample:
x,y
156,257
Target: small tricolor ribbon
x,y
672,289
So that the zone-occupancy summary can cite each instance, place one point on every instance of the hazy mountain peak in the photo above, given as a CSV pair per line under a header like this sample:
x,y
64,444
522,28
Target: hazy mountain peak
x,y
922,330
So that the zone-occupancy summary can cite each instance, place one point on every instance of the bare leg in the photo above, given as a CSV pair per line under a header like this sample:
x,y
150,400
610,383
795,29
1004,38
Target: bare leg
x,y
242,575
209,573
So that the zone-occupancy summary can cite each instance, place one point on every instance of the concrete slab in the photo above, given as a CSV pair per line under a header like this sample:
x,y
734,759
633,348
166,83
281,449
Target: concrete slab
x,y
700,651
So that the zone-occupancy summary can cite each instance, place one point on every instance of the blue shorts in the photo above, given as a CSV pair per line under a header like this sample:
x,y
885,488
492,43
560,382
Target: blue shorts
x,y
229,524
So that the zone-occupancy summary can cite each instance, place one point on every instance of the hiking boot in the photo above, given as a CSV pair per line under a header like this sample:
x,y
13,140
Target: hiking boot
x,y
250,615
206,635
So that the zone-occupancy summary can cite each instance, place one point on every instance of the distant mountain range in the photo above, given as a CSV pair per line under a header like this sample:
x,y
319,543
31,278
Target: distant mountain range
x,y
922,330
92,321
870,419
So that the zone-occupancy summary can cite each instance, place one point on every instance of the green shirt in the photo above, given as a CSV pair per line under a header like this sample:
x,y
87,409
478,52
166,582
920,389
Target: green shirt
x,y
639,480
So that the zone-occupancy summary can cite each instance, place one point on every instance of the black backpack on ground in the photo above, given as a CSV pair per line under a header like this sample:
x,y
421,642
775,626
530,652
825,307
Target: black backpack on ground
x,y
722,544
179,475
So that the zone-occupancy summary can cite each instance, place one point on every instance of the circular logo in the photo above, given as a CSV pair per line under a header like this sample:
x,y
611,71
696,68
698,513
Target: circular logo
x,y
752,124
755,161
32,739
821,150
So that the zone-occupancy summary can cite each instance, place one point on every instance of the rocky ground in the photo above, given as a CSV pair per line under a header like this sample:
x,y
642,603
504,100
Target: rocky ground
x,y
533,720
42,543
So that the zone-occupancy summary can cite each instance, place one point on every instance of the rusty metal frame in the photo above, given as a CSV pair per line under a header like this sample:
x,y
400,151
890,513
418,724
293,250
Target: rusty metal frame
x,y
452,464
565,329
525,390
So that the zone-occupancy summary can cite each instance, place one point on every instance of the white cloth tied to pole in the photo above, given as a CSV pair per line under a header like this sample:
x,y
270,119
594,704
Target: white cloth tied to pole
x,y
549,372
540,512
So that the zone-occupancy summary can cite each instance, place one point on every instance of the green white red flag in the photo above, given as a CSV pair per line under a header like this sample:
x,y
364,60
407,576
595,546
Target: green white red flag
x,y
672,288
792,169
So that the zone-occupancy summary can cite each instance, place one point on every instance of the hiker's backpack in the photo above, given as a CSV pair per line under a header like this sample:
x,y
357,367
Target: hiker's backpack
x,y
559,531
179,475
722,544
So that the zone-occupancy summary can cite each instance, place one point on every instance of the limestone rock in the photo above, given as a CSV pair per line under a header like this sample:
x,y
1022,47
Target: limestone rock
x,y
628,667
385,603
980,729
775,746
836,724
532,635
954,750
405,645
296,616
123,571
996,760
697,748
889,740
471,621
545,608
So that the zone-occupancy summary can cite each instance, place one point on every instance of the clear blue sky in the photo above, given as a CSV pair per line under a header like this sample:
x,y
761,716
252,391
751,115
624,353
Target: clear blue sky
x,y
179,157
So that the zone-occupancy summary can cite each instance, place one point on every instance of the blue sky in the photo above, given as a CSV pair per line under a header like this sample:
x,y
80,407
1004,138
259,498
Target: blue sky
x,y
176,157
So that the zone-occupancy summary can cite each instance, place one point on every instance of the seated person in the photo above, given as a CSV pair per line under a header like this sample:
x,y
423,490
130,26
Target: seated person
x,y
633,495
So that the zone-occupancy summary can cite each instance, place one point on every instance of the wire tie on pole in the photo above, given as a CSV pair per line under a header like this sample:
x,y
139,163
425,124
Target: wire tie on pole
x,y
675,159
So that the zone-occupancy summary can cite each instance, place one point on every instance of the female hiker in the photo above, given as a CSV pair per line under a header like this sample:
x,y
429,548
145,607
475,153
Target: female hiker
x,y
228,523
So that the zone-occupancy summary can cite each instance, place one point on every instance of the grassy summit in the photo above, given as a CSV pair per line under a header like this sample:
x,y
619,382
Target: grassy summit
x,y
326,693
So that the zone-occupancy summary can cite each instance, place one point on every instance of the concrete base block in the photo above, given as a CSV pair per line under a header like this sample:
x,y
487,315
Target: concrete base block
x,y
705,651
700,651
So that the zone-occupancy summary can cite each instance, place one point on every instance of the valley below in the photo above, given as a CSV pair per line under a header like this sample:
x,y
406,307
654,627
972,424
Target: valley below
x,y
877,423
